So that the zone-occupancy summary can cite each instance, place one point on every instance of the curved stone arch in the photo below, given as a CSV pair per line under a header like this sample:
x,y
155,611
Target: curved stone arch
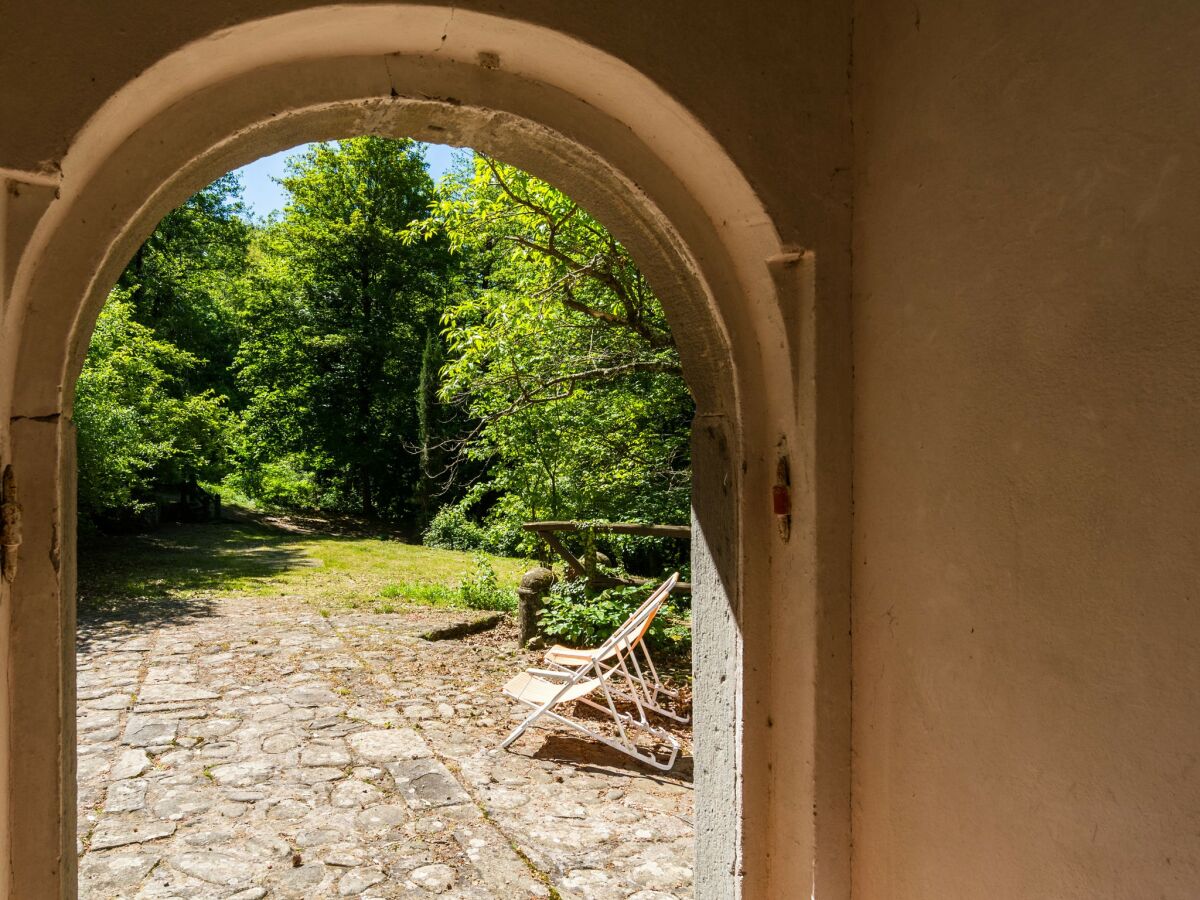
x,y
564,111
235,82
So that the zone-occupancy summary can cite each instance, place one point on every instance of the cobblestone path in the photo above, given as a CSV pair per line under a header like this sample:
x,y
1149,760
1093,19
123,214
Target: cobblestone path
x,y
256,749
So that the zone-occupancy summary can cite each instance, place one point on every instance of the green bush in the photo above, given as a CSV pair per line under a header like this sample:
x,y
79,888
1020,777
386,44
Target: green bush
x,y
482,589
450,529
139,425
580,617
285,484
502,537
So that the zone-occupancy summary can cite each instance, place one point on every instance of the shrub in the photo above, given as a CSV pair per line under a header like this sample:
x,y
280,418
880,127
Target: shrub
x,y
482,589
453,529
502,537
283,483
450,529
582,617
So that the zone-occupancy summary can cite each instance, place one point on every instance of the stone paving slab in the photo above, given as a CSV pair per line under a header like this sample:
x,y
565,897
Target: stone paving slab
x,y
265,751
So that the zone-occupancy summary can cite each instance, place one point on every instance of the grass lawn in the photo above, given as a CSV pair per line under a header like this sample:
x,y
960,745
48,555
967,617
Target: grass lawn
x,y
193,562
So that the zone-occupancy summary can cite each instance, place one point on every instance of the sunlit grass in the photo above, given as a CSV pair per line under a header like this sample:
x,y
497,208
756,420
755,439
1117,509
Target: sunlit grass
x,y
426,593
190,562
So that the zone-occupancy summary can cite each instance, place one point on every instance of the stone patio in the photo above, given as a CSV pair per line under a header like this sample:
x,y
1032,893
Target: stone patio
x,y
255,749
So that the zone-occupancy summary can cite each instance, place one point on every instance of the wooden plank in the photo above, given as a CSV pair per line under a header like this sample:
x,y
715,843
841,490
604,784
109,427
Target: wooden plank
x,y
546,531
679,532
573,563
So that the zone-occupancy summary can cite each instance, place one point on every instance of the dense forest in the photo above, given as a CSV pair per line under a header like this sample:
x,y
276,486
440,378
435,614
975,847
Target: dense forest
x,y
451,359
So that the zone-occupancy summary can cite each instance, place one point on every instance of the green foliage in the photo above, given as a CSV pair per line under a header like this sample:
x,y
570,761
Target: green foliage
x,y
152,404
425,593
560,354
482,589
384,344
430,425
336,308
182,282
451,529
137,425
581,617
280,483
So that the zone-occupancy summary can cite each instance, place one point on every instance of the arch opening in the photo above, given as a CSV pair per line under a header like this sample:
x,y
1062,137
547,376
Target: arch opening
x,y
661,184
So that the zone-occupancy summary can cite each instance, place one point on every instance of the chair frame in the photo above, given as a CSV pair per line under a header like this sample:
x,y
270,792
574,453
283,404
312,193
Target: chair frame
x,y
651,687
621,646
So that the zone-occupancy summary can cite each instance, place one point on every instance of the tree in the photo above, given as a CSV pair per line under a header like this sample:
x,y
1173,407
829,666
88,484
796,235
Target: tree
x,y
152,405
137,426
561,354
181,282
431,425
393,348
336,309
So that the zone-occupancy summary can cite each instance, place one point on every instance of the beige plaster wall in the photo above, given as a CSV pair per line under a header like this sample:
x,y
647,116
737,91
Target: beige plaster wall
x,y
728,69
1027,456
1027,409
756,93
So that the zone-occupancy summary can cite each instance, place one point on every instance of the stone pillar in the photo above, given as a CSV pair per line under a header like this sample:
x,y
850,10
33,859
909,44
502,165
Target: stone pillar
x,y
531,596
717,648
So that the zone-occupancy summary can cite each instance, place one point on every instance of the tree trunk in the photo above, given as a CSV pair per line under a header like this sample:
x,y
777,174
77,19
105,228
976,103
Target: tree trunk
x,y
365,372
368,497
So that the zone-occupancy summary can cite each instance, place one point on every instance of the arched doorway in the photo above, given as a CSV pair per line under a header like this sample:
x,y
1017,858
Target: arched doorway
x,y
739,303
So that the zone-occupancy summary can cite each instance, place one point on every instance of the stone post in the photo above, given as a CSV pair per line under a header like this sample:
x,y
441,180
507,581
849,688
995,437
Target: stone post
x,y
531,596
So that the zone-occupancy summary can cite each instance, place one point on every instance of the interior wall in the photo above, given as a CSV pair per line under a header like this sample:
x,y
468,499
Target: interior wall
x,y
1027,452
117,107
1026,407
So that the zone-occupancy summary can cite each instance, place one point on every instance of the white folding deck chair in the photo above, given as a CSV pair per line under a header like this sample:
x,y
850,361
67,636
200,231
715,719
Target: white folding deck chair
x,y
650,686
607,672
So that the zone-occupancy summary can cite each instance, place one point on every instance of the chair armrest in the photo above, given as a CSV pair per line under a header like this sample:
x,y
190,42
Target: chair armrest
x,y
550,673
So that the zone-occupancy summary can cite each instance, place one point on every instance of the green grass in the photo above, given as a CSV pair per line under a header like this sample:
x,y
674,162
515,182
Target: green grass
x,y
189,564
425,593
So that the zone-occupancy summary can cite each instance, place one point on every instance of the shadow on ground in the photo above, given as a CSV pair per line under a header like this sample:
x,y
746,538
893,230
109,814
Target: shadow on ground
x,y
179,571
175,572
585,754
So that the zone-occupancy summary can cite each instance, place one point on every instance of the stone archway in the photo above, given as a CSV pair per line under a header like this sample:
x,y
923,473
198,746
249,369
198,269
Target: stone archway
x,y
771,748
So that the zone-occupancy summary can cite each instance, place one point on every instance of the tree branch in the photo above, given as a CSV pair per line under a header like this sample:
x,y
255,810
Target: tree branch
x,y
609,372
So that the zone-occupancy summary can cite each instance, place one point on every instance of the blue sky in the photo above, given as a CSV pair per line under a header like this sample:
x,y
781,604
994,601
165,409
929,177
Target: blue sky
x,y
264,196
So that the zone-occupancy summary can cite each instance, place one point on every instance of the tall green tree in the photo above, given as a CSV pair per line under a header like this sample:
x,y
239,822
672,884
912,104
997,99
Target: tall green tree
x,y
562,356
431,422
138,426
335,309
183,279
152,406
